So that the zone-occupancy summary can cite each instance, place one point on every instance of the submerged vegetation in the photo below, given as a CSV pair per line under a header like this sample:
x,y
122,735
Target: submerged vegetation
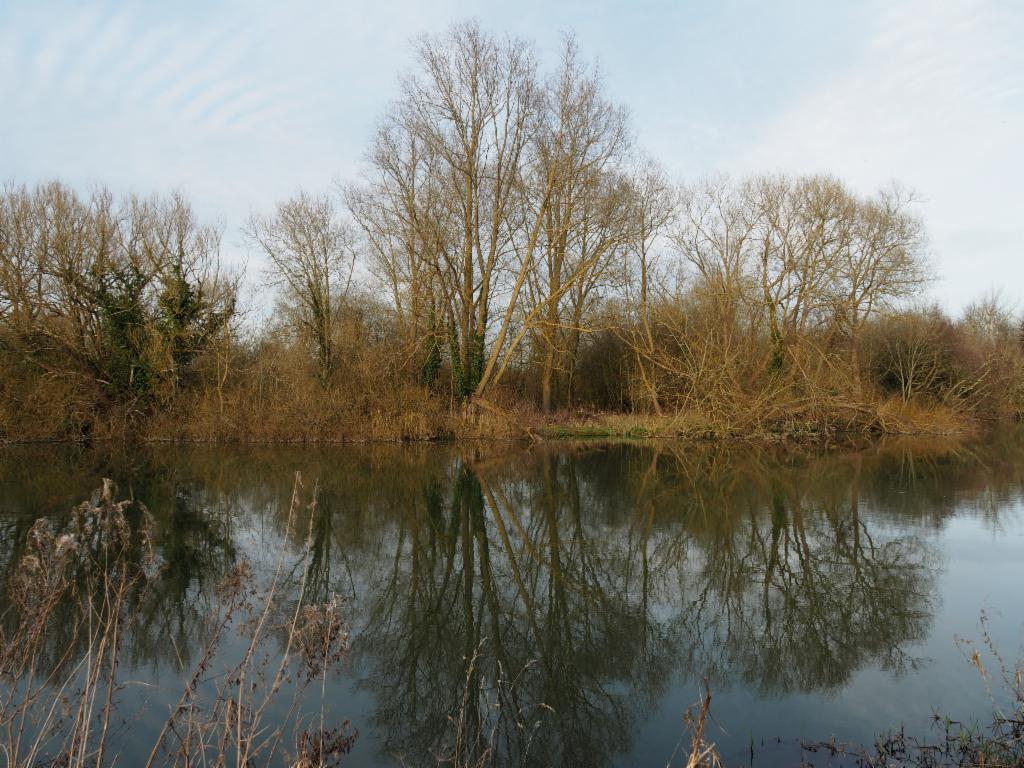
x,y
508,262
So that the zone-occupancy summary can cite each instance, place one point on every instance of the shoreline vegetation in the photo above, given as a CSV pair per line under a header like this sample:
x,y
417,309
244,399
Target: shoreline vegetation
x,y
581,427
508,264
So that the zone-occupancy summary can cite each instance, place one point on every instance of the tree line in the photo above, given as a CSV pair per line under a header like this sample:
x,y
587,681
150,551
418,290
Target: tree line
x,y
507,252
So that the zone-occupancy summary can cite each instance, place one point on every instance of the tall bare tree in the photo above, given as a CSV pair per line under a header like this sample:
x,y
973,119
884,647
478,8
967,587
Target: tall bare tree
x,y
468,109
579,144
311,260
883,264
652,208
399,209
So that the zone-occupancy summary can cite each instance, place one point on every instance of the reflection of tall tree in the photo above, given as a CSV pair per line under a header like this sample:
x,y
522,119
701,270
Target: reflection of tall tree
x,y
588,576
585,627
568,584
423,629
792,588
497,591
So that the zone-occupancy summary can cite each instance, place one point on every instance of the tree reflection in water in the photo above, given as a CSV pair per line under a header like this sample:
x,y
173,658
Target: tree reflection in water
x,y
595,578
541,602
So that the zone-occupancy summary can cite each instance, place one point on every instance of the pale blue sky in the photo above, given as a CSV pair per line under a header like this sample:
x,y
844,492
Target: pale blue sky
x,y
241,103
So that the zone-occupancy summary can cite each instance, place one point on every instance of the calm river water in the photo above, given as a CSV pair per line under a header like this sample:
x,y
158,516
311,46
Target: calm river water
x,y
827,593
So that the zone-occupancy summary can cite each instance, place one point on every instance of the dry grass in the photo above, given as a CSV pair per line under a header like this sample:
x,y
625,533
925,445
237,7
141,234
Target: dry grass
x,y
230,723
695,749
70,605
74,600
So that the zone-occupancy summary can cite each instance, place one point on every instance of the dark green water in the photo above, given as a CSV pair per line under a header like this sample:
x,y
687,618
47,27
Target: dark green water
x,y
820,593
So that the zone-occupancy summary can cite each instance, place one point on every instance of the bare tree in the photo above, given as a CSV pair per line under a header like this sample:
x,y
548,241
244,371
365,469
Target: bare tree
x,y
913,354
468,110
883,263
595,276
580,141
406,229
802,227
652,208
311,261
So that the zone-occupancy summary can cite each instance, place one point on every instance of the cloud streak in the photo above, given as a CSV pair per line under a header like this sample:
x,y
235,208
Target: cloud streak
x,y
241,103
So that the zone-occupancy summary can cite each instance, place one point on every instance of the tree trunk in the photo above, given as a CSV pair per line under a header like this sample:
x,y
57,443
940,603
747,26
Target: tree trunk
x,y
546,381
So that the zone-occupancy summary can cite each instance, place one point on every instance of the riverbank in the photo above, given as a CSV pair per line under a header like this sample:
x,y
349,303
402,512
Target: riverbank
x,y
427,420
889,418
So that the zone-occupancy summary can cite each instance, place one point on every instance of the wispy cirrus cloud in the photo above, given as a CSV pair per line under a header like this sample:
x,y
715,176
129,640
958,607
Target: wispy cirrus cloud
x,y
141,99
240,103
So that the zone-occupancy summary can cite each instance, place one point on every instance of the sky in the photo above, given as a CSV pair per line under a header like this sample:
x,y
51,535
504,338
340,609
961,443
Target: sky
x,y
240,104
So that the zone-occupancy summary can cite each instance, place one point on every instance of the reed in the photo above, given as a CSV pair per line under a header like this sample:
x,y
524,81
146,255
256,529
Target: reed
x,y
71,607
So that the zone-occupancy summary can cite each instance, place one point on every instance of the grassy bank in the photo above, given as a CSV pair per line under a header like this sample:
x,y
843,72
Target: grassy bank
x,y
889,418
869,420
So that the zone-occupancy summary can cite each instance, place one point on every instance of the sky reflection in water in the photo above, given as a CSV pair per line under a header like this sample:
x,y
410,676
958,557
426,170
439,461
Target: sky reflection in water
x,y
821,593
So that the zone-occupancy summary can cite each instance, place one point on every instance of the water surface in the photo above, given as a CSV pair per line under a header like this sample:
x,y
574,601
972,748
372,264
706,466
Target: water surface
x,y
820,593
